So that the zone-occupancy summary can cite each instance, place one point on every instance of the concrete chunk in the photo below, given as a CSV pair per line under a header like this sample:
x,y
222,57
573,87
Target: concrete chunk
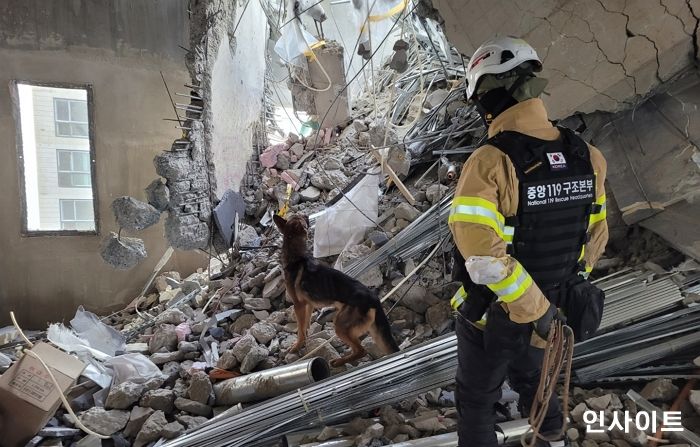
x,y
124,395
103,421
134,215
158,195
151,429
122,253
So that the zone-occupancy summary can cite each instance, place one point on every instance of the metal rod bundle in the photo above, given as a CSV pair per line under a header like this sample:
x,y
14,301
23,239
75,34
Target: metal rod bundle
x,y
506,433
638,344
640,299
424,232
639,357
388,380
433,364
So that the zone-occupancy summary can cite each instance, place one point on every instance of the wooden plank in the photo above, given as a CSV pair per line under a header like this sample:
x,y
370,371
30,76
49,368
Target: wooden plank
x,y
393,177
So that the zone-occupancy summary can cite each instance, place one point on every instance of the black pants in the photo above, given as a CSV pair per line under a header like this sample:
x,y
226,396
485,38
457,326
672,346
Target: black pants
x,y
479,379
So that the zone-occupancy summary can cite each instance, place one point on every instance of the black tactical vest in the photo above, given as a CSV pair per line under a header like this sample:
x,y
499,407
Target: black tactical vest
x,y
556,197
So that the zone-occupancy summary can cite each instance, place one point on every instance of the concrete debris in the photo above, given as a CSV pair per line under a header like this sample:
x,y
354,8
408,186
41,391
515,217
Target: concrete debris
x,y
329,433
329,180
253,358
160,399
122,253
158,195
151,429
248,237
310,194
137,418
435,192
172,430
200,389
193,407
124,395
191,422
660,390
106,422
172,166
263,332
186,232
406,212
164,338
273,288
202,330
134,215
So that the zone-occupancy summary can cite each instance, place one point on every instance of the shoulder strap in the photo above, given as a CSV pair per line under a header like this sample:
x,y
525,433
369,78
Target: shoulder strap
x,y
526,152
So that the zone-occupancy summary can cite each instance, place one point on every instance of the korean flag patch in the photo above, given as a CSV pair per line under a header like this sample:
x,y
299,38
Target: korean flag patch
x,y
556,161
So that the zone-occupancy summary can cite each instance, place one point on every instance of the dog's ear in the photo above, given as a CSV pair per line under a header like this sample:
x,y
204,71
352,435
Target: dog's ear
x,y
280,222
306,218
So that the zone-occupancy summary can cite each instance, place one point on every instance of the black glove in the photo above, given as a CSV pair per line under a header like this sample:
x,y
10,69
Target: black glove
x,y
544,323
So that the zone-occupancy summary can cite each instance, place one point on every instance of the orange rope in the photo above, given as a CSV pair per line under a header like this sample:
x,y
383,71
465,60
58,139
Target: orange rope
x,y
558,355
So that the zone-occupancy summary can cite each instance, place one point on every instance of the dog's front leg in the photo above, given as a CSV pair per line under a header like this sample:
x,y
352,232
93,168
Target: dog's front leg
x,y
300,310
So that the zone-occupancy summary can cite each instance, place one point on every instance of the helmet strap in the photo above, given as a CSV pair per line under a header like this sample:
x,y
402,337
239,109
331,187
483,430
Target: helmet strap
x,y
494,102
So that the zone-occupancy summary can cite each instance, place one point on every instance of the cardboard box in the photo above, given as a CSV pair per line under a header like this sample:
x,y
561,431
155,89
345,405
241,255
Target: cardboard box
x,y
28,397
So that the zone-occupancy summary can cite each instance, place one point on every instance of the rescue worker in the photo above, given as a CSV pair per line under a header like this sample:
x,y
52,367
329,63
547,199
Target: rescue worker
x,y
529,219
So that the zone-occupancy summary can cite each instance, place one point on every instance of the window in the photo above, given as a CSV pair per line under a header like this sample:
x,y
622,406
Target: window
x,y
56,173
71,118
77,215
73,169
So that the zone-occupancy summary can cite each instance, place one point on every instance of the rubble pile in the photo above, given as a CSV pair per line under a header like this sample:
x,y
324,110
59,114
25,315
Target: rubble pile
x,y
181,343
626,417
200,331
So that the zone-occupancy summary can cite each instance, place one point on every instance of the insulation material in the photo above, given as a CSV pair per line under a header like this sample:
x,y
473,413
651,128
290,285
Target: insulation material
x,y
132,367
294,43
343,225
100,336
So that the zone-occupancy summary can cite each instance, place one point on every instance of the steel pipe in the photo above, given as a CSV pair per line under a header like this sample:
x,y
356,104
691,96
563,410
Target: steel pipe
x,y
510,432
271,382
507,433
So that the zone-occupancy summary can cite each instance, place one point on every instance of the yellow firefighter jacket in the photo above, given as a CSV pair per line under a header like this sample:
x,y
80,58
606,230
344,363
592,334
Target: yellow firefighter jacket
x,y
488,185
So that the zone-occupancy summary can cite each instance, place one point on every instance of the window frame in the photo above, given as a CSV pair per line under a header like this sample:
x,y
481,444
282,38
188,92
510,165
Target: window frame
x,y
60,211
59,171
56,120
14,95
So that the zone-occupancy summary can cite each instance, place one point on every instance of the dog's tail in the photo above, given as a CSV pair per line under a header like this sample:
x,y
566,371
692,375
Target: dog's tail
x,y
381,331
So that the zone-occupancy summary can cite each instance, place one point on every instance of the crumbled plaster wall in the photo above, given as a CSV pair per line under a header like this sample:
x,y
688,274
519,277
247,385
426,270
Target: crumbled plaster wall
x,y
228,72
118,47
602,55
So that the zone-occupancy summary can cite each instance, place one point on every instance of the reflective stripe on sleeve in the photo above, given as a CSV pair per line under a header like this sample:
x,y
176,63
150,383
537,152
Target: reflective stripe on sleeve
x,y
480,211
513,286
600,215
458,298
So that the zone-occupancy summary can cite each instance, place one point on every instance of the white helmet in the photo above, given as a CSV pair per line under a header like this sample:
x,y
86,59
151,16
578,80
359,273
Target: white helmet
x,y
497,56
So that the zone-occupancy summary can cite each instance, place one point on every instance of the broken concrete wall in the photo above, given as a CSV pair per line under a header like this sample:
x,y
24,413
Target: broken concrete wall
x,y
119,48
328,102
654,161
228,72
598,55
236,87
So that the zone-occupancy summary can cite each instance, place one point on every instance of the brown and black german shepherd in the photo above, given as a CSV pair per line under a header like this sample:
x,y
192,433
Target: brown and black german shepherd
x,y
310,284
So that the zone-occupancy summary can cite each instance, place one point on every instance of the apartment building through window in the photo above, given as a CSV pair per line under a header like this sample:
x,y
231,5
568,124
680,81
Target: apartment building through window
x,y
56,158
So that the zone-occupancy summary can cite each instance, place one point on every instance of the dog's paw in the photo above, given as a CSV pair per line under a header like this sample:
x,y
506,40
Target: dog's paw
x,y
337,362
295,348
